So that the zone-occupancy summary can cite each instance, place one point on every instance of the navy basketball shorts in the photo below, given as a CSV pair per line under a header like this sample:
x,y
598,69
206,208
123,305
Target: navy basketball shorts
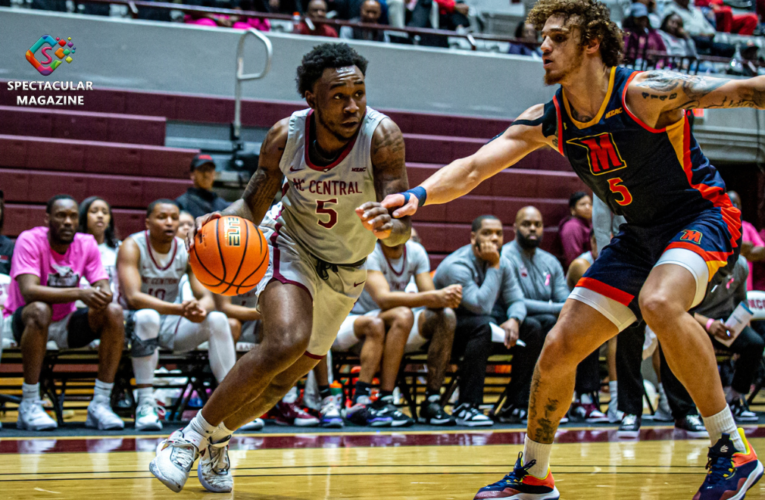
x,y
702,243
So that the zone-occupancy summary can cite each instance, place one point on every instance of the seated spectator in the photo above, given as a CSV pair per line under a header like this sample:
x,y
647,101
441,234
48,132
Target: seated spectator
x,y
452,14
747,62
676,39
641,38
725,20
150,265
698,27
46,269
542,280
389,270
654,19
488,285
317,10
200,199
370,14
574,230
529,37
6,244
752,245
96,219
711,314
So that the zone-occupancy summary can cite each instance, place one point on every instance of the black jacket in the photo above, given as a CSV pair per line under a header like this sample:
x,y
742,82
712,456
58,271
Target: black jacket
x,y
199,202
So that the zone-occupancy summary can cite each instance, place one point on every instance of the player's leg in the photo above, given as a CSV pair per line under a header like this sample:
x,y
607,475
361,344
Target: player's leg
x,y
436,326
236,329
398,322
749,347
216,331
142,327
370,330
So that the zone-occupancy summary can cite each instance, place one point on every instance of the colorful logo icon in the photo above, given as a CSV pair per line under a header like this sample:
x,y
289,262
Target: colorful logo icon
x,y
64,50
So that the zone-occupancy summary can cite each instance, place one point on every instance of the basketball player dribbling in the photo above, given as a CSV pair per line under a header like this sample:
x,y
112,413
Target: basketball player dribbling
x,y
627,136
334,163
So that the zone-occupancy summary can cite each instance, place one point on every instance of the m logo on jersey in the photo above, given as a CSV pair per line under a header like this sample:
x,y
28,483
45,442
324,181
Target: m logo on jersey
x,y
231,231
603,155
692,236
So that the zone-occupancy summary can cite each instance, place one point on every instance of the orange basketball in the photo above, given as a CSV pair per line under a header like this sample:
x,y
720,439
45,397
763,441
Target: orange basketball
x,y
229,256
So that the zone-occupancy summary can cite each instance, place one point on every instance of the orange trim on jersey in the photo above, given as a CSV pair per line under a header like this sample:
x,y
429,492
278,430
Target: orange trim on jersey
x,y
560,126
713,260
605,290
603,105
640,122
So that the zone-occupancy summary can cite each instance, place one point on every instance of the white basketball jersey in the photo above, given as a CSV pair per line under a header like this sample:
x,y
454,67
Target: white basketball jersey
x,y
160,281
249,299
319,203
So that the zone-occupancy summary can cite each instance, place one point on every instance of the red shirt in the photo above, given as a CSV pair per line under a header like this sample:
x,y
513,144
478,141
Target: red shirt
x,y
321,30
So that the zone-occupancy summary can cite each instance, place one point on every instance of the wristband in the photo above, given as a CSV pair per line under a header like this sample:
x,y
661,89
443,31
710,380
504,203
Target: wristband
x,y
710,321
419,192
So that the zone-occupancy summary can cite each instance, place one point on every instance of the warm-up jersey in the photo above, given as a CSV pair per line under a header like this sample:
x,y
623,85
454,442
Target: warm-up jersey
x,y
650,176
160,279
319,203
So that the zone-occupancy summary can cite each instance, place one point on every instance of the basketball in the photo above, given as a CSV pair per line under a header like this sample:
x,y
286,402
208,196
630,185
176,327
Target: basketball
x,y
230,256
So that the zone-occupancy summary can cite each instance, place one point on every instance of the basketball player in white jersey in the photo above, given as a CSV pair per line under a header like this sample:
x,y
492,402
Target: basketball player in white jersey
x,y
150,265
334,163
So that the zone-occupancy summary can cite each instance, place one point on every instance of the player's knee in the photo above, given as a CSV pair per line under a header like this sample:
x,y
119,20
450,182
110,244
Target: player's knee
x,y
403,318
217,322
559,352
284,345
114,321
658,306
37,315
449,318
236,328
147,323
373,330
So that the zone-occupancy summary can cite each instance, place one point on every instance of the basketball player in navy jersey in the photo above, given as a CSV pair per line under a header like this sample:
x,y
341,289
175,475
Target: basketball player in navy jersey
x,y
334,163
626,135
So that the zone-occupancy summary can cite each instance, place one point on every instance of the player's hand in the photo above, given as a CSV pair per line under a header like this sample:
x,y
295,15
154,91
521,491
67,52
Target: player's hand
x,y
512,329
193,312
719,330
397,200
489,252
96,298
375,218
451,296
198,223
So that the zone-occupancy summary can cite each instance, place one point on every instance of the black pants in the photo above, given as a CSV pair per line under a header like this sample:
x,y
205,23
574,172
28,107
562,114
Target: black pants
x,y
749,346
533,333
588,374
629,357
472,342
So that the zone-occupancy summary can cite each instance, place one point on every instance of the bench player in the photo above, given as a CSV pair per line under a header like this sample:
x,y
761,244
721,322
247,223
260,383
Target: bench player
x,y
150,265
334,163
627,136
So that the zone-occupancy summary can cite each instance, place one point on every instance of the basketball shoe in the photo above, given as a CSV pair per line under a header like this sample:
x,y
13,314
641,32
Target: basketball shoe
x,y
520,485
175,458
330,413
730,474
214,468
289,413
146,416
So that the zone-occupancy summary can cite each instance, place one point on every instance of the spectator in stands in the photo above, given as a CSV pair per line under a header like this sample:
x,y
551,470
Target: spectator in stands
x,y
676,39
641,37
529,38
150,265
543,282
752,246
452,15
317,11
96,219
46,269
6,244
370,14
698,27
747,62
200,199
575,229
725,20
389,271
185,223
654,20
711,314
488,290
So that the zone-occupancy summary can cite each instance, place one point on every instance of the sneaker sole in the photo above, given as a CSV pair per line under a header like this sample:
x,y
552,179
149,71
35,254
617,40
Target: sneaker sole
x,y
305,423
628,434
170,484
597,420
21,426
402,423
695,434
207,485
437,421
750,481
90,423
149,427
333,425
553,495
467,423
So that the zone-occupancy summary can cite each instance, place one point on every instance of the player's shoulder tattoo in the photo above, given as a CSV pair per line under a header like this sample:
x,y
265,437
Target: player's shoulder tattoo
x,y
686,90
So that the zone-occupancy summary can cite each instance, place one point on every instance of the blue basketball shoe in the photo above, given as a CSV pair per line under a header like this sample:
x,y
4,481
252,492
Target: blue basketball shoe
x,y
730,474
520,485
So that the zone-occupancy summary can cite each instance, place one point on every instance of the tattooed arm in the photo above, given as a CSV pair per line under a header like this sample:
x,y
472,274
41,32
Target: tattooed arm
x,y
263,185
388,160
527,133
659,97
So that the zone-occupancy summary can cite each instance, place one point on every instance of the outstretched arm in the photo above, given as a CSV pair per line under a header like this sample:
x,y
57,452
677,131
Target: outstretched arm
x,y
462,176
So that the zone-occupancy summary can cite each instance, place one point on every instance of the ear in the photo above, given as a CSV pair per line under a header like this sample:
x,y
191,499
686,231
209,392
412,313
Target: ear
x,y
310,99
472,238
47,219
146,223
593,46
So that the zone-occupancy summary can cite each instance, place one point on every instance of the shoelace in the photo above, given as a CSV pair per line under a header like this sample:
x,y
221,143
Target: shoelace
x,y
329,407
518,473
719,467
37,410
184,453
218,454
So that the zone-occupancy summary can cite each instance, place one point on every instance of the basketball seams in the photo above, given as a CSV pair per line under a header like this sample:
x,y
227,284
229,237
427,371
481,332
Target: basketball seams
x,y
261,238
220,249
244,254
199,260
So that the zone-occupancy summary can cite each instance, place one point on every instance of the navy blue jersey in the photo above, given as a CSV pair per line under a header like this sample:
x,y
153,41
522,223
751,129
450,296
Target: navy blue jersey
x,y
650,176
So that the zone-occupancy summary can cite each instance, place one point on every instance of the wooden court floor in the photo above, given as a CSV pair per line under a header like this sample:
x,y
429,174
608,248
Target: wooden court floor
x,y
587,465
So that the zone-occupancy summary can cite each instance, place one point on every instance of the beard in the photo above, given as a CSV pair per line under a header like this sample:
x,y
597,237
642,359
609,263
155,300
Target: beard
x,y
526,243
555,78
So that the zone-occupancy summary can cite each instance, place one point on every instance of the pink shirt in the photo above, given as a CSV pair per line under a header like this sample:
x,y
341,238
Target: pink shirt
x,y
33,255
749,233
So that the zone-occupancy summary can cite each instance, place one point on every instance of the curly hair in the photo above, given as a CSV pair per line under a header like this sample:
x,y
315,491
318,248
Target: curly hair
x,y
326,55
592,17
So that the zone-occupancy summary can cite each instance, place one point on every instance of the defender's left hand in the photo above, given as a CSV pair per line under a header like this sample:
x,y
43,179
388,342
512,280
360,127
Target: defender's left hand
x,y
375,218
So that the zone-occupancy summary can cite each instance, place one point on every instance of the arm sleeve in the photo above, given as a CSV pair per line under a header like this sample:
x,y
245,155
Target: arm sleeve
x,y
601,223
542,307
94,269
26,258
478,300
512,294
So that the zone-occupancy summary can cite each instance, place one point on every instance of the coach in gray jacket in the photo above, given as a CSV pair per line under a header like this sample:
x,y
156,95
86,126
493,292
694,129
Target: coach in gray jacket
x,y
490,294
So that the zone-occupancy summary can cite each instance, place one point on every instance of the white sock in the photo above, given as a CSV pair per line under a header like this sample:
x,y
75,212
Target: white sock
x,y
539,452
199,430
30,392
221,432
144,393
613,388
721,423
103,390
